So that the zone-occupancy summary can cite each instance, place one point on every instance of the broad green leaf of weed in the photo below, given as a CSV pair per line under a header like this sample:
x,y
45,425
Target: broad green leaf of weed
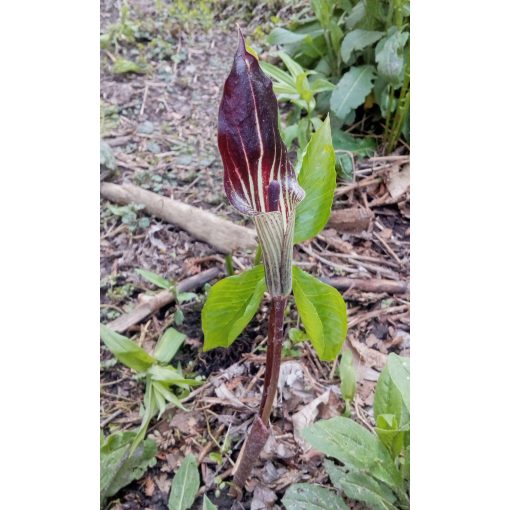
x,y
389,55
184,485
388,431
118,469
352,444
387,399
208,505
283,36
358,39
352,90
361,487
306,496
399,368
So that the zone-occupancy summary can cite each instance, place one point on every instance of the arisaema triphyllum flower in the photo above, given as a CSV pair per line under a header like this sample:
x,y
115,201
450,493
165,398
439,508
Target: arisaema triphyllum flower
x,y
258,176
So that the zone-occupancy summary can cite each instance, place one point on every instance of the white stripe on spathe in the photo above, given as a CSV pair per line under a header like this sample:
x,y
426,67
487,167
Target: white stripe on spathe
x,y
252,190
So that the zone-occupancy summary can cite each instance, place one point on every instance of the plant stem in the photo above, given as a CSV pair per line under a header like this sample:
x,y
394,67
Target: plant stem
x,y
259,432
273,356
229,265
258,255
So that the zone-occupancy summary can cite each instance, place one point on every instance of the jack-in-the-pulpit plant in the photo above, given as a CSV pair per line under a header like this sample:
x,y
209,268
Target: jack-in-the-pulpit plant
x,y
261,182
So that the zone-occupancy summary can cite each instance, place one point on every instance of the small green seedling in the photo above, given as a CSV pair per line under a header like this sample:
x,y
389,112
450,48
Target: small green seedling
x,y
180,297
164,384
347,380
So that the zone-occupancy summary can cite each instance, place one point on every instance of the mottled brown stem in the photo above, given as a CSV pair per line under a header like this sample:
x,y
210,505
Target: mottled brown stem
x,y
259,432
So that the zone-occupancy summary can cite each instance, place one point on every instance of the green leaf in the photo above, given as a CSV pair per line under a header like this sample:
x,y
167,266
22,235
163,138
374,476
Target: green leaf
x,y
208,505
321,85
184,297
154,278
118,469
388,431
126,351
294,68
351,91
230,305
150,406
361,146
306,496
347,376
356,15
168,345
297,335
399,367
289,134
361,487
387,399
278,74
352,444
317,177
107,157
323,312
178,317
283,36
169,376
406,464
357,40
163,392
389,55
185,485
346,147
122,66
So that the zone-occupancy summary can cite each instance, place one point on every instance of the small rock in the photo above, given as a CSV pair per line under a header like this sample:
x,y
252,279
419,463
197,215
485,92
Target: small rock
x,y
146,128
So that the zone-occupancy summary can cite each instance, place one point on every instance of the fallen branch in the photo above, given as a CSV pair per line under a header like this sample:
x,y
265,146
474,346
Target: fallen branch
x,y
373,285
153,303
353,220
357,185
222,234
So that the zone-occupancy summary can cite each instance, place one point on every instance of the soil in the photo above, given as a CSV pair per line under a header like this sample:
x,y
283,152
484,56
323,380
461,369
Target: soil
x,y
161,127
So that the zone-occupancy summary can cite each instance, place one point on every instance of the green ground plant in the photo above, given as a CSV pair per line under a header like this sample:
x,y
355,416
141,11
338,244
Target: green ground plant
x,y
363,48
119,467
374,466
162,283
164,383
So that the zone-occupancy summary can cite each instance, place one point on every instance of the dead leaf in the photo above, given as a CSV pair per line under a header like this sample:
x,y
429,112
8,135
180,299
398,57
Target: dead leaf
x,y
163,483
398,181
262,498
149,487
306,416
225,394
276,449
370,357
186,422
